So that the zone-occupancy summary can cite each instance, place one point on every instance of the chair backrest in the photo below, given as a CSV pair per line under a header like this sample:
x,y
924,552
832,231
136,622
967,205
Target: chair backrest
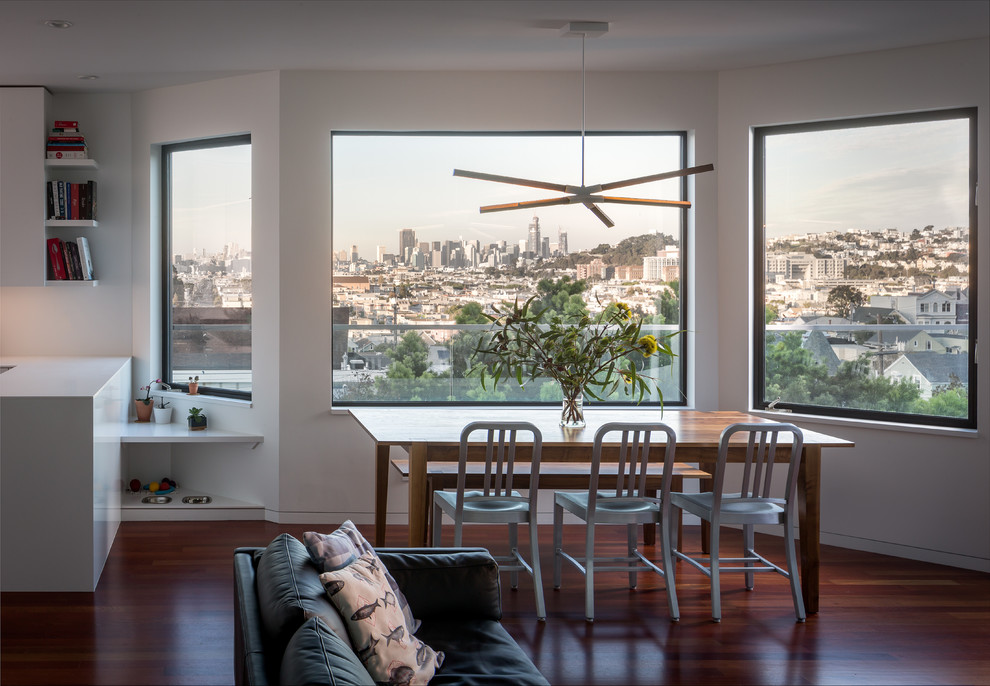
x,y
500,456
635,456
761,450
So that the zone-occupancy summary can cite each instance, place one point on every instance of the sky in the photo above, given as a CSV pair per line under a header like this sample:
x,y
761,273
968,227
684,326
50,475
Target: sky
x,y
385,183
902,176
211,199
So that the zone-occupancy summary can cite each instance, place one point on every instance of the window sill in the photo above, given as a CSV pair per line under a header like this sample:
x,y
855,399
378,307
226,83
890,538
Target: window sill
x,y
204,399
871,424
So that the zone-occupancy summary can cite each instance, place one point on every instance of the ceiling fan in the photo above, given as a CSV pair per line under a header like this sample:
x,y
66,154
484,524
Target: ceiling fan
x,y
587,195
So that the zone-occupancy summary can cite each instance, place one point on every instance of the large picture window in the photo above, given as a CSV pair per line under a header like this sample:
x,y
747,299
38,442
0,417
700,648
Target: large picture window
x,y
866,267
206,249
415,265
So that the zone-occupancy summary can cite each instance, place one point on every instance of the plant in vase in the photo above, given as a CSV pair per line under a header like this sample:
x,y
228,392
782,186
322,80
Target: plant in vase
x,y
143,406
194,385
196,419
163,413
593,356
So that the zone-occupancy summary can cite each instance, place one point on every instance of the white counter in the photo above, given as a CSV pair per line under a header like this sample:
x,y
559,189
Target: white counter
x,y
60,468
64,377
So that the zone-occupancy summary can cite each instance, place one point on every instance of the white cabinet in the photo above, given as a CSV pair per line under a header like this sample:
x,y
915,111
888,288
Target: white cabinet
x,y
23,259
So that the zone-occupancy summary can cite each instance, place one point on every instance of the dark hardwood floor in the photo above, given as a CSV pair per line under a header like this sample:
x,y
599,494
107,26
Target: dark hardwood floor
x,y
163,615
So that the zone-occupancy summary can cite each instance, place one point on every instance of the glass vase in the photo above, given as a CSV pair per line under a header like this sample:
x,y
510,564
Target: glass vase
x,y
572,410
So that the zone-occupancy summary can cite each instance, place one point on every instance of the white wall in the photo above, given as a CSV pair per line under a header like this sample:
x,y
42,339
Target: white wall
x,y
919,495
318,467
84,320
326,461
215,108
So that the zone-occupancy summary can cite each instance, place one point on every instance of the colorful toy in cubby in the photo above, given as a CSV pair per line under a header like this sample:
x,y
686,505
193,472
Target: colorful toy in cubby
x,y
166,485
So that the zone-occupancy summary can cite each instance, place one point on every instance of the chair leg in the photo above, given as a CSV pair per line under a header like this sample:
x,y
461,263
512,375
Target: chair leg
x,y
534,544
437,523
748,551
792,570
668,569
589,573
558,539
631,553
457,533
514,552
713,568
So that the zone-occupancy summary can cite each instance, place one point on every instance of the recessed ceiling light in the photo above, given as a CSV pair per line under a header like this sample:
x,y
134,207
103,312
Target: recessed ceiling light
x,y
58,23
87,77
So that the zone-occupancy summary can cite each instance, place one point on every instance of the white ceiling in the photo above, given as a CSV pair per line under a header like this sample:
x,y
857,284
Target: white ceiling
x,y
139,44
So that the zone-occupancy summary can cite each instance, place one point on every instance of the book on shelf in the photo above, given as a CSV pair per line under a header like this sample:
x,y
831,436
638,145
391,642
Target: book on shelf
x,y
65,124
56,260
86,257
66,155
66,200
77,267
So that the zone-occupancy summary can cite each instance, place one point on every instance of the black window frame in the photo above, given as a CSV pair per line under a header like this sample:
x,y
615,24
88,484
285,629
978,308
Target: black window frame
x,y
166,265
759,399
685,262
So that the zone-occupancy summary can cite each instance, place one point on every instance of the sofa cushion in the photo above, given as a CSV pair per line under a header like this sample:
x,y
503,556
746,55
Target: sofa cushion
x,y
378,630
478,653
290,592
336,550
316,655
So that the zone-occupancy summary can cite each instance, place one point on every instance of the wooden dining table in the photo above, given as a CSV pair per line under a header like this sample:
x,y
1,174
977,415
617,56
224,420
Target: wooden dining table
x,y
432,434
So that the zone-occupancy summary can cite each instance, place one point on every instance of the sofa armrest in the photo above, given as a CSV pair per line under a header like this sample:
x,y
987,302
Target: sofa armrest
x,y
250,666
446,582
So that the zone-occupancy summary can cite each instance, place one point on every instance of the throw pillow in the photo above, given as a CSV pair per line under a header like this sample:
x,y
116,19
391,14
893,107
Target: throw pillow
x,y
331,552
381,638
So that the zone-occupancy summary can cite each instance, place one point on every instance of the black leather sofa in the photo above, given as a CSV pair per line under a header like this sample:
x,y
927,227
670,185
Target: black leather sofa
x,y
288,632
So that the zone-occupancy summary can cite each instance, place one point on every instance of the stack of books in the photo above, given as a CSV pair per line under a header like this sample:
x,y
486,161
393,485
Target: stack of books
x,y
66,142
70,260
67,200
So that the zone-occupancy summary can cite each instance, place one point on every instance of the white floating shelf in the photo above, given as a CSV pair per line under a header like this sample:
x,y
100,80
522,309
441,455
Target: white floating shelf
x,y
150,432
72,282
71,223
72,164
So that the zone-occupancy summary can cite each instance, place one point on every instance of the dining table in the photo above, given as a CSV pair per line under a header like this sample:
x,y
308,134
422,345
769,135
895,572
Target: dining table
x,y
432,434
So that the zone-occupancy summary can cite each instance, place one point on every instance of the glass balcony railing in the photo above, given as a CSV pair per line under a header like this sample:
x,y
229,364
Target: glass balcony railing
x,y
429,363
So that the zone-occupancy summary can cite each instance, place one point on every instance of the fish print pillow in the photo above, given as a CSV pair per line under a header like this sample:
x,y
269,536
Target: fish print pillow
x,y
376,626
334,551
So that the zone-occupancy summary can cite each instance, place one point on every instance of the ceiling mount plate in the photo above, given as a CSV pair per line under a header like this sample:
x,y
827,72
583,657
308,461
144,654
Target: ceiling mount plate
x,y
589,29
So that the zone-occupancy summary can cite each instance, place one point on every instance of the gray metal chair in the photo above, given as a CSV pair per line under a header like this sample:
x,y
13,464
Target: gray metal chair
x,y
496,502
752,505
626,502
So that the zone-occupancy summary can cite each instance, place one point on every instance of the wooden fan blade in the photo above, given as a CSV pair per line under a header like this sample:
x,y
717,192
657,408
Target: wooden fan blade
x,y
658,177
525,204
546,185
646,201
595,210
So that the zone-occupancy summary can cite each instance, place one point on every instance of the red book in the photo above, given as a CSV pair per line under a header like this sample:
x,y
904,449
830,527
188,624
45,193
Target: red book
x,y
56,259
74,211
67,139
66,124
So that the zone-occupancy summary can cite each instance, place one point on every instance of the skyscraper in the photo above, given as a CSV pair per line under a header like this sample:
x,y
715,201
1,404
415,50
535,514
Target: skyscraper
x,y
533,244
354,253
407,241
561,241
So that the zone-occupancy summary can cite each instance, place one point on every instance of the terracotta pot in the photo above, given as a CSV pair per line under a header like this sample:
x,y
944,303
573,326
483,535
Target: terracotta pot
x,y
193,388
143,410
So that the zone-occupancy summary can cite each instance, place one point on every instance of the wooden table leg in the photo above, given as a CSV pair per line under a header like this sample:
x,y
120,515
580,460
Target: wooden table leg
x,y
809,524
381,492
417,495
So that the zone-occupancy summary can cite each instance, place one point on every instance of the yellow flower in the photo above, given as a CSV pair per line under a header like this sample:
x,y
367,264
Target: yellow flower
x,y
648,343
624,311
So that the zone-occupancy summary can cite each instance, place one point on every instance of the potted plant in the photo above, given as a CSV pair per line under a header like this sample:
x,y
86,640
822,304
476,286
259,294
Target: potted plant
x,y
593,356
143,406
194,385
196,419
163,413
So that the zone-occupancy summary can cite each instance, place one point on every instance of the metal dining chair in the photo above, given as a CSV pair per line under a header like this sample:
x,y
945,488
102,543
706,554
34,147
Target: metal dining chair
x,y
623,502
752,505
496,502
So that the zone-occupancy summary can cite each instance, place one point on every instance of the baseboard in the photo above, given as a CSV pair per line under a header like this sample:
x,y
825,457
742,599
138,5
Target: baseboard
x,y
939,557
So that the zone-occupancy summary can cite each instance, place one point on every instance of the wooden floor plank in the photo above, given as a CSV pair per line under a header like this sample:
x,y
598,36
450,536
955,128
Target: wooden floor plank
x,y
163,614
